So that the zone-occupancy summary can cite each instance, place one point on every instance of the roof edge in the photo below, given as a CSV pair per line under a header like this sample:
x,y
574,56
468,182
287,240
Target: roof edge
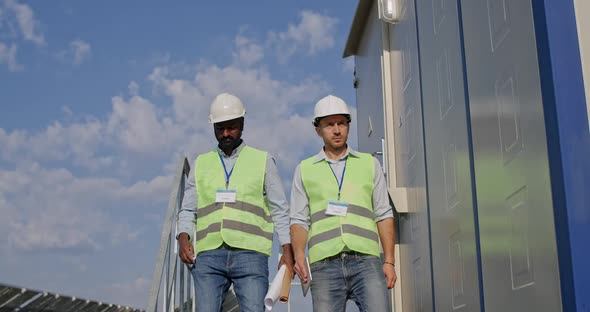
x,y
359,22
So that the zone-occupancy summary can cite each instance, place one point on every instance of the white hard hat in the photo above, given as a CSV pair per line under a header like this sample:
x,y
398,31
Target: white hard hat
x,y
226,107
330,105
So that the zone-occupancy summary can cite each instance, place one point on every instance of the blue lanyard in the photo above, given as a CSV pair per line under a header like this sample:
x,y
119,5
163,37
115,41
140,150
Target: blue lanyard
x,y
227,175
341,179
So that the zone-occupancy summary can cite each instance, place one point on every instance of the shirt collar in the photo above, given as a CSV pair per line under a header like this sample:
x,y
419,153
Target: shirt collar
x,y
235,152
322,155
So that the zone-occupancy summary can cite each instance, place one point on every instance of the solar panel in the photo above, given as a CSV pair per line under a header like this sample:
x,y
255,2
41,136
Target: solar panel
x,y
42,301
27,300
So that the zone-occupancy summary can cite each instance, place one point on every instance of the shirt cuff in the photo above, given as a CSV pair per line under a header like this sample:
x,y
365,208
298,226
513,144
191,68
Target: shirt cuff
x,y
188,231
284,239
303,224
384,216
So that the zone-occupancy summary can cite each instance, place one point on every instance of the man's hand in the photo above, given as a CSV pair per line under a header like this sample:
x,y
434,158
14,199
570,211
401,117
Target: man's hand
x,y
390,276
287,257
301,268
186,251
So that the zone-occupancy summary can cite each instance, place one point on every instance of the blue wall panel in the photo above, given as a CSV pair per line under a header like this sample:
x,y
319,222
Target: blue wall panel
x,y
568,144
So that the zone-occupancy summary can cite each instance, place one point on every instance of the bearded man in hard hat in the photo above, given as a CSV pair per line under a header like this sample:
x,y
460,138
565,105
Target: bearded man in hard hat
x,y
236,195
339,200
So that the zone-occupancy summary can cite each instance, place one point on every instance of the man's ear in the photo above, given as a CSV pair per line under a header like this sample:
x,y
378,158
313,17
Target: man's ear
x,y
317,130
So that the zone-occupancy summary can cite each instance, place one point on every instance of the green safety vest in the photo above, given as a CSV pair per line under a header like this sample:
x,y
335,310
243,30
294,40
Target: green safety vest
x,y
328,234
245,224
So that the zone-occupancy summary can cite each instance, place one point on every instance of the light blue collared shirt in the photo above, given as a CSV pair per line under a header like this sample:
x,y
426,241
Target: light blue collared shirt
x,y
300,203
273,189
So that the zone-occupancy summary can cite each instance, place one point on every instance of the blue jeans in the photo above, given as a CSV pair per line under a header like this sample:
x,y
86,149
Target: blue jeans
x,y
349,276
215,270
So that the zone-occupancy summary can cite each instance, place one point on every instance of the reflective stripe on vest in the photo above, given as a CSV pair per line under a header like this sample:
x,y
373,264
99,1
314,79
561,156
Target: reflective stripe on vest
x,y
357,231
245,224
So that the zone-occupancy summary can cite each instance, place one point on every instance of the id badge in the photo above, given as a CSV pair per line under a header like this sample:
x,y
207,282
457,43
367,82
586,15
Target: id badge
x,y
337,208
225,196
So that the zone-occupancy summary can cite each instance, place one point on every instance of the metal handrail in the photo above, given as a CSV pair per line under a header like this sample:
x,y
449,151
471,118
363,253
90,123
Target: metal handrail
x,y
169,287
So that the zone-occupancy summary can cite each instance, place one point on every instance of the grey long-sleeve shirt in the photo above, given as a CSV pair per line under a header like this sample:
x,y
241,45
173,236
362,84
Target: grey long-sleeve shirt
x,y
300,203
273,189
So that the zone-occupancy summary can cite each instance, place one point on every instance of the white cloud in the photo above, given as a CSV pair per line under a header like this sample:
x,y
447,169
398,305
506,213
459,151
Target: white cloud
x,y
67,110
17,22
11,143
8,29
147,189
27,23
247,51
8,57
77,142
272,119
138,131
188,99
52,209
133,88
81,51
77,53
136,123
313,34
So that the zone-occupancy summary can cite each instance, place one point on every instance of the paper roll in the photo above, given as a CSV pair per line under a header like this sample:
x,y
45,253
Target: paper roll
x,y
286,287
275,288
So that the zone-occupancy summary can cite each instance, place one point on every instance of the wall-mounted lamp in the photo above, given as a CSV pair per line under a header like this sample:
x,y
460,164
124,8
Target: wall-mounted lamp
x,y
389,11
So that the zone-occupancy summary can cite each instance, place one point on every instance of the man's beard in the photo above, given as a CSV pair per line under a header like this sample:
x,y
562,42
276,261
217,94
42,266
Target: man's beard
x,y
229,143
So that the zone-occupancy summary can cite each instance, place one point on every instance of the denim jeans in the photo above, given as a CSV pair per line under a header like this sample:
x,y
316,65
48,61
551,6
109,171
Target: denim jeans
x,y
215,270
349,276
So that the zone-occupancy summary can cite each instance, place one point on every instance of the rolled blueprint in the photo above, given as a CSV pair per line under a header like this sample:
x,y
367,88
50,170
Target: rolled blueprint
x,y
274,290
286,288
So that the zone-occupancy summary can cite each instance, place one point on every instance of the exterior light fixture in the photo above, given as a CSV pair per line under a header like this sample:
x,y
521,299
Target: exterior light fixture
x,y
389,11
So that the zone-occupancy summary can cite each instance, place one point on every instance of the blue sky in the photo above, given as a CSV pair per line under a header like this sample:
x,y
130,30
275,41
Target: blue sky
x,y
99,100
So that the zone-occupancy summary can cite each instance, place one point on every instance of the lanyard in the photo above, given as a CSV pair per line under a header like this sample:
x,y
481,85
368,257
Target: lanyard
x,y
341,179
227,175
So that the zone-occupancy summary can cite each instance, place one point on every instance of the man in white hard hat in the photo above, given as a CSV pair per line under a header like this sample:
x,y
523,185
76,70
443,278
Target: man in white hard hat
x,y
236,195
339,200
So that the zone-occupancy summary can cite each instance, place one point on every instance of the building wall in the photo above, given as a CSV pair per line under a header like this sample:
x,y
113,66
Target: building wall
x,y
404,114
369,87
461,92
513,190
448,159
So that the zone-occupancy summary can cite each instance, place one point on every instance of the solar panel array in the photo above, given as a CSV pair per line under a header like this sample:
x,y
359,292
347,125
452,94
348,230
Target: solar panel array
x,y
27,300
